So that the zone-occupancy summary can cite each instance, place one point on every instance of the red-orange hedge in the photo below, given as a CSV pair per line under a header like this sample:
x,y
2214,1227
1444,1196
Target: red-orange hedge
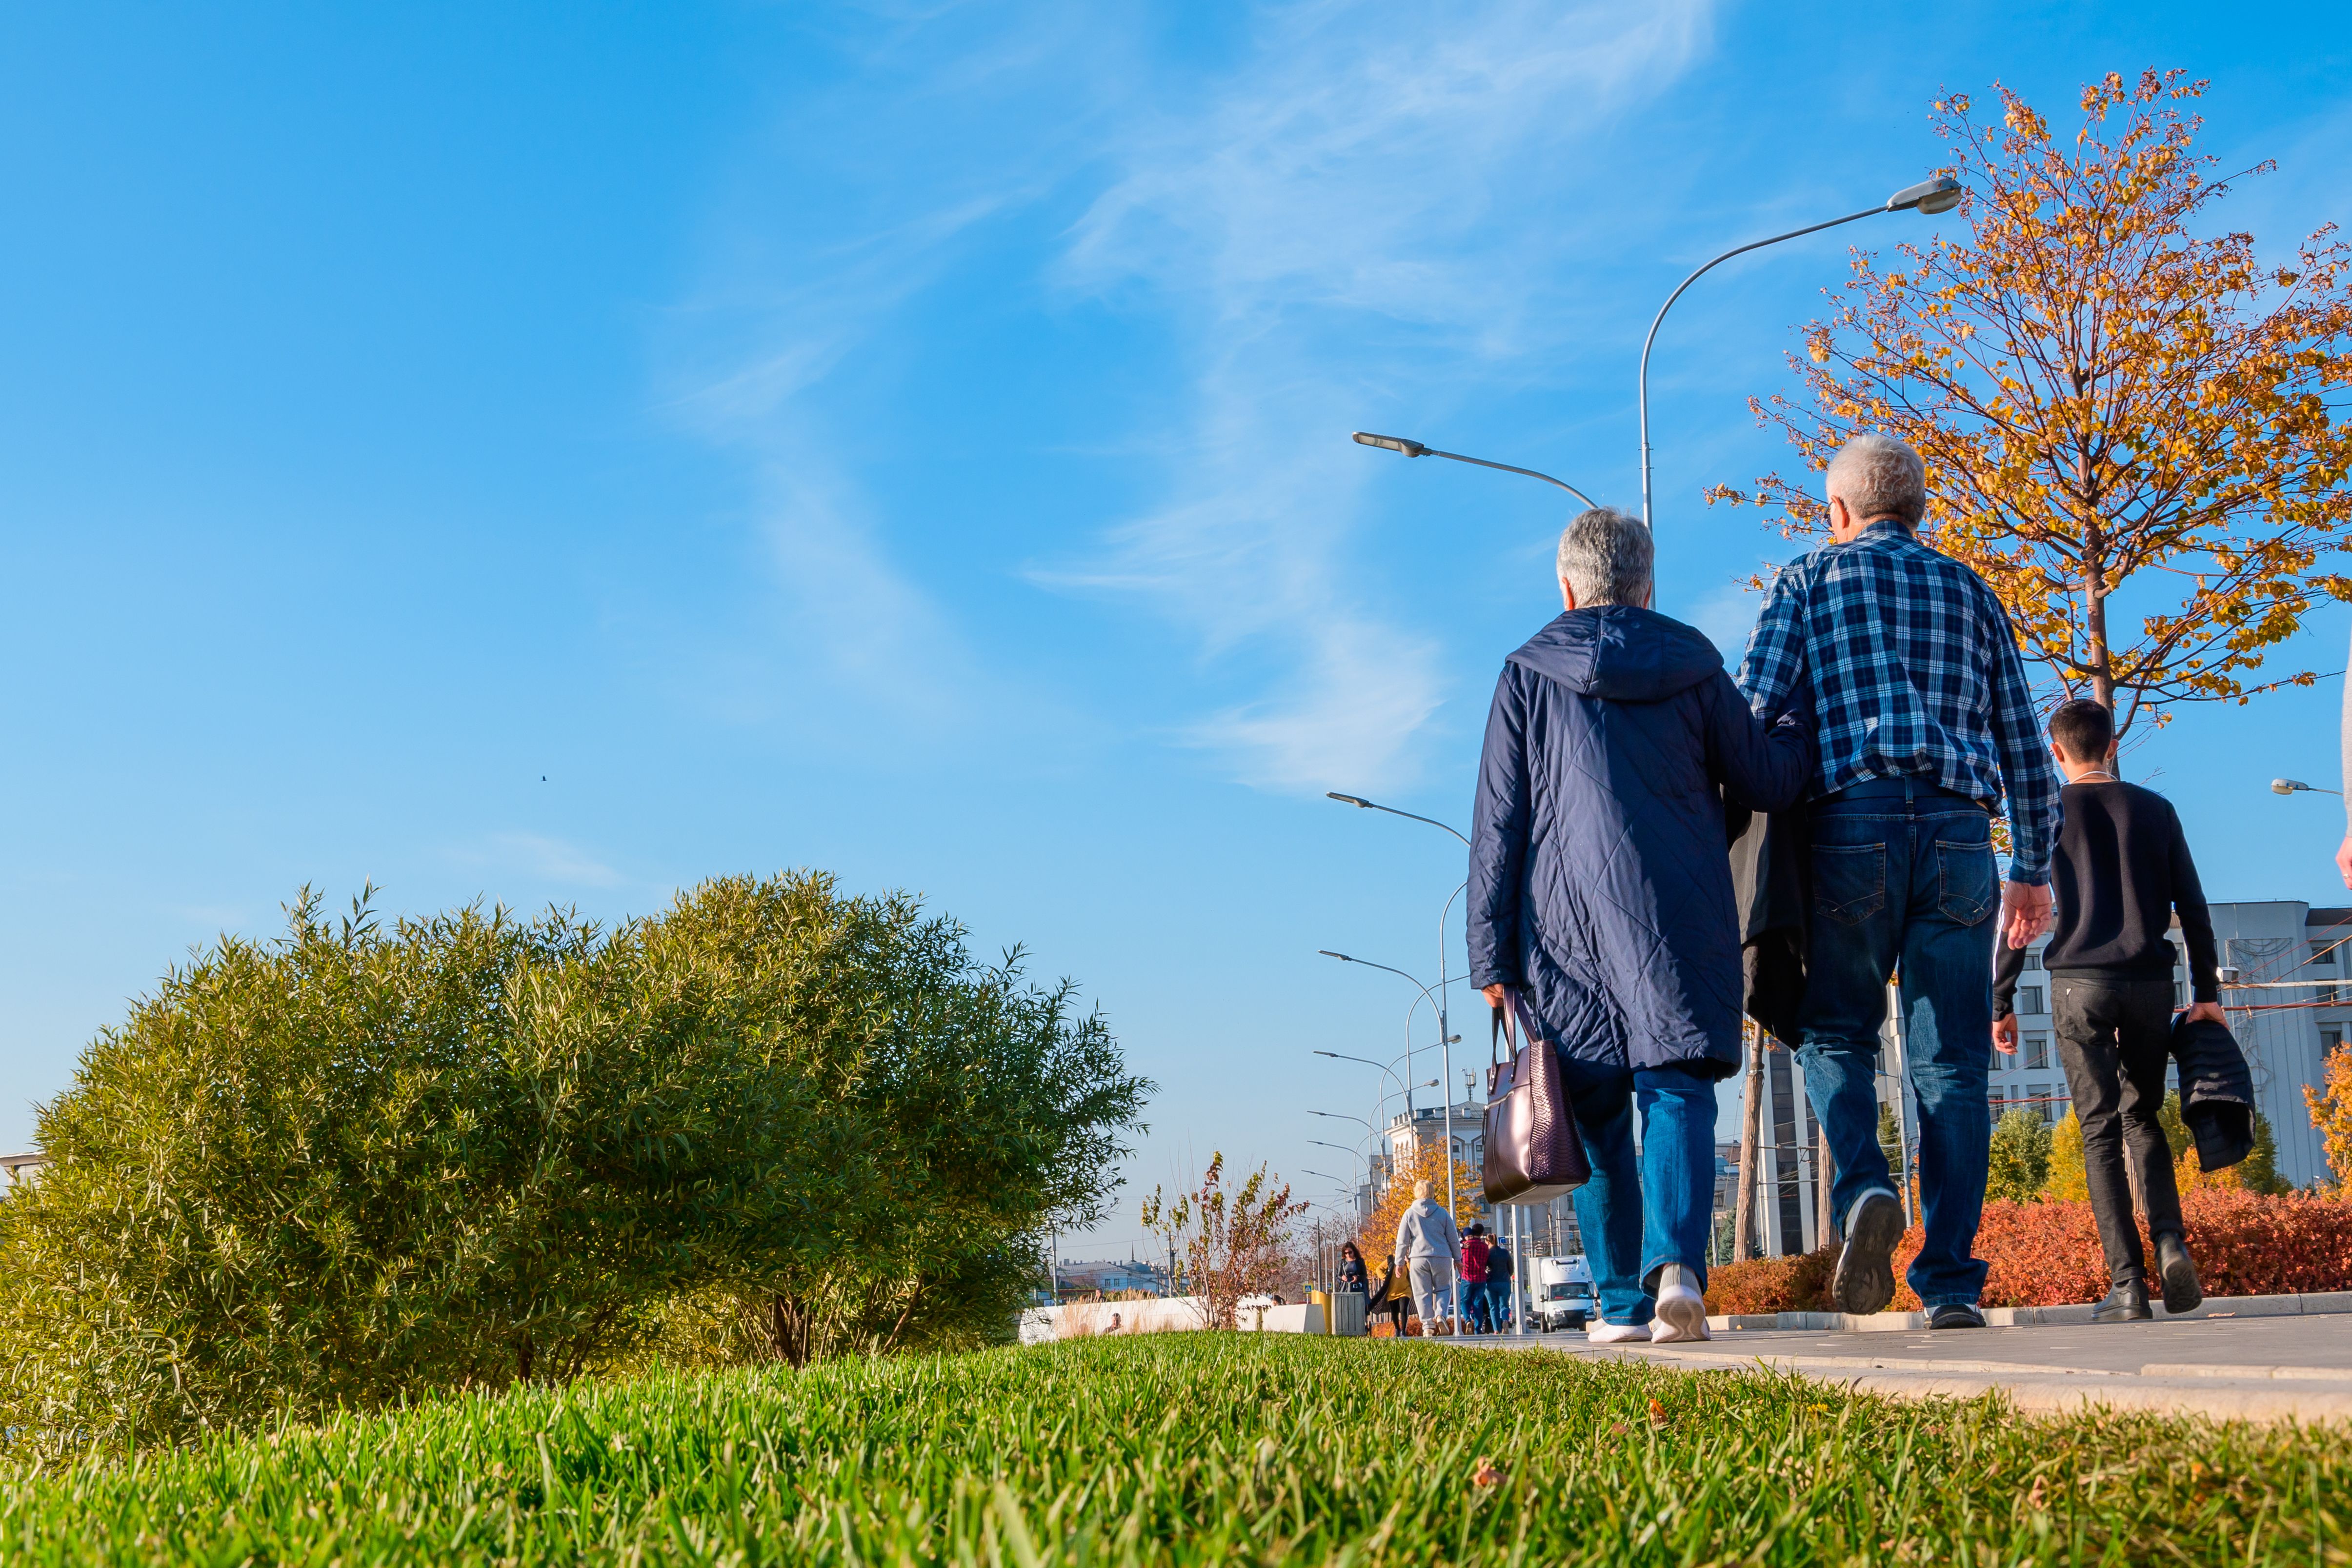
x,y
2046,1253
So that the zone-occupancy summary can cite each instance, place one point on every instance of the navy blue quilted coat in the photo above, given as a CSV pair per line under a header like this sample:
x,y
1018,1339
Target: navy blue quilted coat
x,y
1600,884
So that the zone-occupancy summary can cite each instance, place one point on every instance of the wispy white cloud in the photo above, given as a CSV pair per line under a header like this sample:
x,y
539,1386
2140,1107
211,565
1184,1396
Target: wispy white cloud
x,y
1360,178
535,855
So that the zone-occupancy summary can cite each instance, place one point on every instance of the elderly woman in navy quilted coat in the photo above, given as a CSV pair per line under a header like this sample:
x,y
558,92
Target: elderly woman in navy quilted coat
x,y
1600,895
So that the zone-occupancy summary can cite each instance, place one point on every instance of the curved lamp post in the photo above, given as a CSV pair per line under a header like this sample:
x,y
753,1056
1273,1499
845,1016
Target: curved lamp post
x,y
2292,787
1413,448
1446,1035
1444,1039
1940,194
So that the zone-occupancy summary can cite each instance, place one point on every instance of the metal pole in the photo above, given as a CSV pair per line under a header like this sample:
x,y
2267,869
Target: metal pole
x,y
1902,1108
1643,392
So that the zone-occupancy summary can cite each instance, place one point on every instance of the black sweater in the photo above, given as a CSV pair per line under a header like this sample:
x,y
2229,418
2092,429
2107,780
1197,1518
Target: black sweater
x,y
2120,870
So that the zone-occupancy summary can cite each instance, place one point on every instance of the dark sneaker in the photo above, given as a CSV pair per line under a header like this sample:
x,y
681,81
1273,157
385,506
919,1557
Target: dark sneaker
x,y
2181,1291
2126,1303
1956,1315
1865,1281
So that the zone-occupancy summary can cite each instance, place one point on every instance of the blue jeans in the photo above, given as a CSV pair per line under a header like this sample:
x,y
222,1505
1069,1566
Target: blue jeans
x,y
1634,1224
1481,1310
1903,883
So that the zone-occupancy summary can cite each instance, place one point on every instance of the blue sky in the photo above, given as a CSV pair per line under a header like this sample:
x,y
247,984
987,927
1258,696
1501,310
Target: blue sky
x,y
563,453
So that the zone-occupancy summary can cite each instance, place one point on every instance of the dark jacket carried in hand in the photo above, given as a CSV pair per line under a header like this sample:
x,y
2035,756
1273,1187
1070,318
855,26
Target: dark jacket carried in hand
x,y
2216,1093
1598,885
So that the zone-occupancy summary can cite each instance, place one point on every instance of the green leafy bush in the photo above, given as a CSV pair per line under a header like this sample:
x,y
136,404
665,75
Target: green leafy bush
x,y
361,1163
2020,1157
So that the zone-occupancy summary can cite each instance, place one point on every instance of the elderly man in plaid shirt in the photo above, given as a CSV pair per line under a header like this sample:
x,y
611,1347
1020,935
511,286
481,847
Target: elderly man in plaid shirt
x,y
1924,720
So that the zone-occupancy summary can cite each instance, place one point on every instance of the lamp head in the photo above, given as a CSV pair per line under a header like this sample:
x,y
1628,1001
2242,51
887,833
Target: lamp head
x,y
1355,800
1940,194
1340,956
1392,443
2287,787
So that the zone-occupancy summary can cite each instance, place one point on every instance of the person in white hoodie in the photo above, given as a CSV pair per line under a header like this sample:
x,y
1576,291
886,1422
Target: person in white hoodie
x,y
1427,1244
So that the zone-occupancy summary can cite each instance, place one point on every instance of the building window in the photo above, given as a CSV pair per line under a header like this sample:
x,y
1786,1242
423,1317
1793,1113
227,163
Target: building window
x,y
2029,999
2040,1094
2331,1040
2037,1053
2033,964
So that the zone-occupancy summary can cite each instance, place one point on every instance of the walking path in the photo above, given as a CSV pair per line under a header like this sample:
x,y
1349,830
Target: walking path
x,y
2249,1369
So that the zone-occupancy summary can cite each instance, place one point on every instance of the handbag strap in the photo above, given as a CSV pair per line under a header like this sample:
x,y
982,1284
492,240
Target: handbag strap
x,y
1500,1033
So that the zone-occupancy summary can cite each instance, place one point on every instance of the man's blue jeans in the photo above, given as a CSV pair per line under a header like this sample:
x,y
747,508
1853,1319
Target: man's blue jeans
x,y
1903,884
1636,1222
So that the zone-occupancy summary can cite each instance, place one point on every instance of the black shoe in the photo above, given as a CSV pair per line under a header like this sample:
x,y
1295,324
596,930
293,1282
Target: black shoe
x,y
1865,1281
1956,1315
2126,1303
2181,1291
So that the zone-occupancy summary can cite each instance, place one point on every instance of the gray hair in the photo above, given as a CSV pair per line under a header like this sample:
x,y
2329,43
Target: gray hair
x,y
1879,476
1604,557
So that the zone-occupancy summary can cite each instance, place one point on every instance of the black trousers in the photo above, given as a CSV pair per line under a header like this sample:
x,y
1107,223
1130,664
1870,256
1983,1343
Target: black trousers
x,y
2114,1038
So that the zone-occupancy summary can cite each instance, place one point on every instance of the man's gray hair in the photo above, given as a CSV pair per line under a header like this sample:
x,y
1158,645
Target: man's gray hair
x,y
1604,557
1879,476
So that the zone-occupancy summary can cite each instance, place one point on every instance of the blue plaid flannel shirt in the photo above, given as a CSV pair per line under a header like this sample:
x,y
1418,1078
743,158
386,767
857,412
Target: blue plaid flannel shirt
x,y
1913,671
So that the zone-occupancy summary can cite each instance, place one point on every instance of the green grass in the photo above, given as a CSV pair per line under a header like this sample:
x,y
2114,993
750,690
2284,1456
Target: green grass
x,y
1202,1448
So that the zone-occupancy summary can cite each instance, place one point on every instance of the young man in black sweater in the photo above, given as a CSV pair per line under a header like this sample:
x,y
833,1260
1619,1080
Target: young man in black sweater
x,y
2120,871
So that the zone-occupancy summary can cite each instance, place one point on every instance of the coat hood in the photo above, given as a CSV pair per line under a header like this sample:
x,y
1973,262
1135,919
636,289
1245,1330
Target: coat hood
x,y
1619,653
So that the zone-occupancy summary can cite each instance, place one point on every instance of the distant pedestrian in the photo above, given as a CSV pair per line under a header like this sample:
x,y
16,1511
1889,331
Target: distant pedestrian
x,y
2120,873
1906,665
1428,1242
1500,1266
1388,1298
1474,1280
1351,1270
1601,909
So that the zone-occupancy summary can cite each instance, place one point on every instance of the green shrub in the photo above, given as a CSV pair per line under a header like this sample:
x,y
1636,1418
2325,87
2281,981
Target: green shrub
x,y
2020,1157
360,1163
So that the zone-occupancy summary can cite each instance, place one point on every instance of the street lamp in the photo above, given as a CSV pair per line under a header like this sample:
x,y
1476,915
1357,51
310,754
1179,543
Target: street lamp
x,y
2290,786
1929,197
1444,1039
1403,1087
1360,804
1415,449
1445,1020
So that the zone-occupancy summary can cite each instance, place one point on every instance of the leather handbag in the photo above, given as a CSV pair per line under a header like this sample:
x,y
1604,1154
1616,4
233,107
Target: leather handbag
x,y
1534,1153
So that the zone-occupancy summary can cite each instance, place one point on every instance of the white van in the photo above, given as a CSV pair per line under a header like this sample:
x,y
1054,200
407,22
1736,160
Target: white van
x,y
1562,1295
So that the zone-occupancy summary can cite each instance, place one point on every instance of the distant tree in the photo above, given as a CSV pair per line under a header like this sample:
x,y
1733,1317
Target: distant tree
x,y
2108,395
2068,1180
2330,1102
1234,1243
2020,1157
1377,1236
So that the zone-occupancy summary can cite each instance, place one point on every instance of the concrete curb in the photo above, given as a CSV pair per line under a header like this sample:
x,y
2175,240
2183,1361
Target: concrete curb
x,y
2032,1317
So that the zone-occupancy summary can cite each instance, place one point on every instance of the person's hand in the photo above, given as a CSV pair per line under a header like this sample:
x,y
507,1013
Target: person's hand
x,y
2208,1012
2024,911
2344,859
1493,994
2004,1035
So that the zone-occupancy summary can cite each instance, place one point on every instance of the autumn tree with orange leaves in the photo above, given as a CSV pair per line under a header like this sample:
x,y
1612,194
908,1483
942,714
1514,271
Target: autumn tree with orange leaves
x,y
2125,419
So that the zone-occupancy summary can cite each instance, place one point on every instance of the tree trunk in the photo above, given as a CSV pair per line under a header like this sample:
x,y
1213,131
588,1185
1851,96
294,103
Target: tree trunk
x,y
2101,660
1752,1107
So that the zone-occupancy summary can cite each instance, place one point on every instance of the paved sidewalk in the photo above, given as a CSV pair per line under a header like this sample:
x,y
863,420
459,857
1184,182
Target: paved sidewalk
x,y
2254,1369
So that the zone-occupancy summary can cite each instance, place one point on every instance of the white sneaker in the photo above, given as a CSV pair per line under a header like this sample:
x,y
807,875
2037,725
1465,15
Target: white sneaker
x,y
1601,1334
1682,1311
